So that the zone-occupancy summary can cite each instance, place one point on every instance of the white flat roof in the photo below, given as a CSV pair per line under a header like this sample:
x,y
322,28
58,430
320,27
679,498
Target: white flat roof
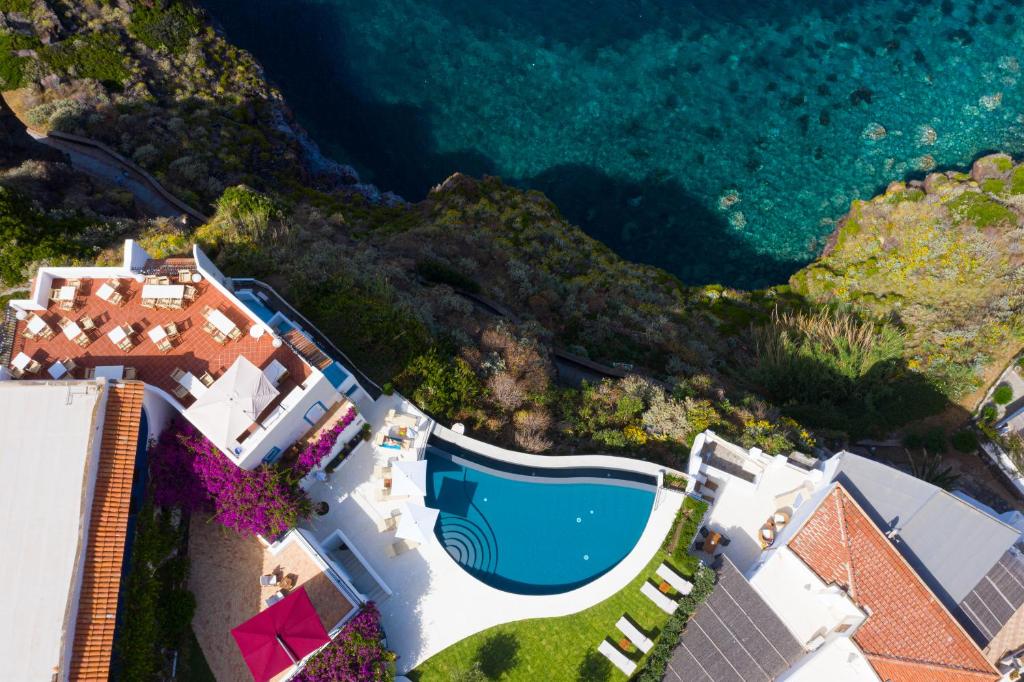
x,y
837,661
47,437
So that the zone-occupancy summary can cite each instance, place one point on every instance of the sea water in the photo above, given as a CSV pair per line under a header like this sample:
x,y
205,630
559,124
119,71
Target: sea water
x,y
718,139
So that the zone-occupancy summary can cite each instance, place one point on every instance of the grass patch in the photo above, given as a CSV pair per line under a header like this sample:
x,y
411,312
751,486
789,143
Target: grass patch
x,y
12,67
92,55
550,648
980,210
169,28
684,529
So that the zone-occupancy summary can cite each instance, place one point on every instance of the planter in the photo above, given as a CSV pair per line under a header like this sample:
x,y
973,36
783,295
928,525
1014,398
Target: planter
x,y
321,508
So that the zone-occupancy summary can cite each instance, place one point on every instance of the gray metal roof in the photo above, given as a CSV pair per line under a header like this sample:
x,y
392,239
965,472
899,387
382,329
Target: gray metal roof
x,y
996,597
951,544
734,636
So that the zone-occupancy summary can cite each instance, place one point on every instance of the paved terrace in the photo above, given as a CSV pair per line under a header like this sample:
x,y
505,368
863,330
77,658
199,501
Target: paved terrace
x,y
434,602
196,352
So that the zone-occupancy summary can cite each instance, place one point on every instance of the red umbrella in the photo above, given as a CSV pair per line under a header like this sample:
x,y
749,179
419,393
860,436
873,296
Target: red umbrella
x,y
280,636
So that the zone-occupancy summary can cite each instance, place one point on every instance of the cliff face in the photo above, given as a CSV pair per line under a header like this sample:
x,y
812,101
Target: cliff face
x,y
942,258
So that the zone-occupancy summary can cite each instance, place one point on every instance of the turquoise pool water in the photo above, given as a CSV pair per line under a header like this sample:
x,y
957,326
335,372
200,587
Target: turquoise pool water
x,y
719,140
521,532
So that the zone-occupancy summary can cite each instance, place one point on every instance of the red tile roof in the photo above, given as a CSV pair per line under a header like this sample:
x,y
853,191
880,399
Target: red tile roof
x,y
908,635
197,352
108,523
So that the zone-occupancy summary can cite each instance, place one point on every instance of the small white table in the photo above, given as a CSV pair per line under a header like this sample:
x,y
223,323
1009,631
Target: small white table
x,y
109,372
36,324
116,335
163,291
105,291
20,361
274,371
72,330
57,370
67,293
196,278
157,334
193,385
221,321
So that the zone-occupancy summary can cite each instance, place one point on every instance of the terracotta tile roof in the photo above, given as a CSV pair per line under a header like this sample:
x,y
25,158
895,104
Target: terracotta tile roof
x,y
196,352
908,635
101,576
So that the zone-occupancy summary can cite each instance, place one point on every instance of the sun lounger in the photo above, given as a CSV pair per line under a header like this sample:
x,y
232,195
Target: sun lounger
x,y
660,600
386,524
677,581
639,639
400,547
619,659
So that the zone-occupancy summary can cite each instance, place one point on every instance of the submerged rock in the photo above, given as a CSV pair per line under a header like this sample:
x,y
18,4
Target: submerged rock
x,y
729,199
991,102
874,132
927,135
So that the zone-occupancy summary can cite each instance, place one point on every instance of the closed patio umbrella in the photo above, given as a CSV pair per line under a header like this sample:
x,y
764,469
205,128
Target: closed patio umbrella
x,y
409,478
232,403
416,523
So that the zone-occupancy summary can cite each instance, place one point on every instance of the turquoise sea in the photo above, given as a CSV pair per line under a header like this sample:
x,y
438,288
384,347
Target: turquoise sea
x,y
719,140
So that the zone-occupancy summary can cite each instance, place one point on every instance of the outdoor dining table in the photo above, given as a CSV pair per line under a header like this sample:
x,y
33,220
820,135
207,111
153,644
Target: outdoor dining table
x,y
711,544
72,330
57,370
67,293
156,291
105,291
20,361
157,334
221,321
117,335
109,371
36,324
193,385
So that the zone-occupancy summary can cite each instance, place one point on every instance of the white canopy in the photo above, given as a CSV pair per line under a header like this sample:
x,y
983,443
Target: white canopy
x,y
232,403
410,478
416,523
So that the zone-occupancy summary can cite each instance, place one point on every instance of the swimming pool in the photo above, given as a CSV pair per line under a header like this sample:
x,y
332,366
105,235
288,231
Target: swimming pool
x,y
534,531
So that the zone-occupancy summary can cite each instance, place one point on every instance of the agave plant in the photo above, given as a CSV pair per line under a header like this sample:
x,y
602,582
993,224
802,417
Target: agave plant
x,y
931,470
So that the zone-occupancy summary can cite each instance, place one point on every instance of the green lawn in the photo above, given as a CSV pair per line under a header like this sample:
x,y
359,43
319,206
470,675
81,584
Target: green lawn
x,y
562,648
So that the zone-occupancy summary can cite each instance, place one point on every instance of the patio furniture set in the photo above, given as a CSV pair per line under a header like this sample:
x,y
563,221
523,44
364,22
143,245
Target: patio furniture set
x,y
633,635
187,384
771,528
219,326
280,582
159,292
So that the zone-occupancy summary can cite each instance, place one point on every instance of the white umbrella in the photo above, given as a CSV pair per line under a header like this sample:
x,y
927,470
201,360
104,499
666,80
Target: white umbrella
x,y
416,523
232,403
409,478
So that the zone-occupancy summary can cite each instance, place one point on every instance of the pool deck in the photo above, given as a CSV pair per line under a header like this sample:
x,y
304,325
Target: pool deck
x,y
434,602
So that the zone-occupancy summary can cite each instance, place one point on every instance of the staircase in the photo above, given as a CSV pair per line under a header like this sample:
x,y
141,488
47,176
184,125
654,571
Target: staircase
x,y
360,577
301,344
8,331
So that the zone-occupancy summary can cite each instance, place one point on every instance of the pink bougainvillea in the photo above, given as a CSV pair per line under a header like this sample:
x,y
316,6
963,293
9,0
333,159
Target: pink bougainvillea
x,y
314,453
189,472
355,655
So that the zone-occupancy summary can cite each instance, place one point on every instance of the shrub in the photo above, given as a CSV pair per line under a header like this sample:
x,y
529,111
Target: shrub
x,y
965,441
1003,394
169,27
356,654
191,473
446,387
313,454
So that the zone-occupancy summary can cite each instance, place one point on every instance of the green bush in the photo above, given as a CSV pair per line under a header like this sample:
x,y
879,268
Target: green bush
x,y
88,55
932,441
445,387
988,413
965,441
1003,394
170,28
27,236
684,530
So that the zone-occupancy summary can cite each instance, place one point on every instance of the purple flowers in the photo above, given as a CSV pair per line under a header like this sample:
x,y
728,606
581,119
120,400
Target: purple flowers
x,y
189,472
313,453
355,655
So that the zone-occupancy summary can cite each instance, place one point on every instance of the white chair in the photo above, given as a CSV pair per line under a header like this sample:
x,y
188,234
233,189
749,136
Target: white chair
x,y
400,547
268,580
677,581
639,639
274,598
619,659
660,600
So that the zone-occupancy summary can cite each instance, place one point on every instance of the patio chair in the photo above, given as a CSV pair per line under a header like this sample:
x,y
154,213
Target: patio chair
x,y
678,582
69,365
400,547
219,337
33,366
126,345
47,332
274,598
178,374
190,292
180,391
83,340
68,305
184,276
235,334
86,322
268,580
618,659
209,328
149,303
381,471
27,334
54,294
15,372
130,373
698,546
386,524
633,633
724,542
704,531
76,283
171,329
207,310
666,604
164,345
207,379
116,298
